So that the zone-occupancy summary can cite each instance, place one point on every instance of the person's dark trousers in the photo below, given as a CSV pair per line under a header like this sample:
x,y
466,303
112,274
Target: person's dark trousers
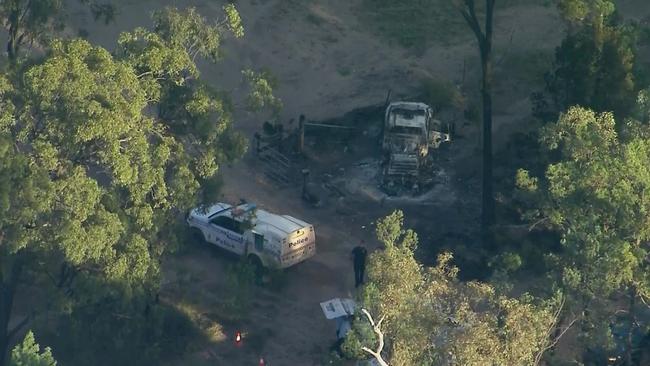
x,y
358,274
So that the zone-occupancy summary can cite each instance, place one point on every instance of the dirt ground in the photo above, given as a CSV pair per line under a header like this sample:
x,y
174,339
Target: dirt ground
x,y
327,63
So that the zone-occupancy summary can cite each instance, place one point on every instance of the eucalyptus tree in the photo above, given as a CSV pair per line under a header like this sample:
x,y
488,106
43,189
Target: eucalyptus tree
x,y
429,317
595,66
596,196
28,353
100,155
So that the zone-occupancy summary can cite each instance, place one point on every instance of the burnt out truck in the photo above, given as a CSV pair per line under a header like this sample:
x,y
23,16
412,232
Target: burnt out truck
x,y
410,133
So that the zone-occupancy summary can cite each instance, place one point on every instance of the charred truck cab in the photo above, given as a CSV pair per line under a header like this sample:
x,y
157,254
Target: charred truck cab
x,y
409,133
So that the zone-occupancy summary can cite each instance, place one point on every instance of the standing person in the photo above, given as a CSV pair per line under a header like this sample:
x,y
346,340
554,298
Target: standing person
x,y
359,254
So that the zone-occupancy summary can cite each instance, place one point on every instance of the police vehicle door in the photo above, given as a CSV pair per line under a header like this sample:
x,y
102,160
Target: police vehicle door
x,y
228,234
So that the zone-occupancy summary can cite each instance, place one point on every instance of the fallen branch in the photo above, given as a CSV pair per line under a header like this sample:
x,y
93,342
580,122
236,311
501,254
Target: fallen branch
x,y
545,219
377,329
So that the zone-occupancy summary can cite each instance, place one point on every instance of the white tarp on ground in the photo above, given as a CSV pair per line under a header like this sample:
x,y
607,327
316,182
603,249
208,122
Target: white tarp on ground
x,y
338,307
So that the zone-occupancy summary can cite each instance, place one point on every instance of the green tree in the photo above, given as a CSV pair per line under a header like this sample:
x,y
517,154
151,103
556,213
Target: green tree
x,y
595,65
29,353
431,317
29,21
164,62
595,196
25,196
581,11
94,180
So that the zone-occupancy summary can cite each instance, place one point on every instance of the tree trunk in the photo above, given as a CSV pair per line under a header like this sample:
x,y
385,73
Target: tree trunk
x,y
12,43
487,218
301,134
11,49
630,331
484,39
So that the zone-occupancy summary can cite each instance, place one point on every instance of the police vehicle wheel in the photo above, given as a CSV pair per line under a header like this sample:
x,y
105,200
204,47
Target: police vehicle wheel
x,y
258,267
197,236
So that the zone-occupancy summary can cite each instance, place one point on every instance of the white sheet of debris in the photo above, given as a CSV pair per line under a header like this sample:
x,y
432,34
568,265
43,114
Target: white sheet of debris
x,y
337,307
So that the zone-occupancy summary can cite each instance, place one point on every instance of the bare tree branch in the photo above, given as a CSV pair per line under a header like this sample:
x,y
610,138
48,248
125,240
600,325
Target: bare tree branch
x,y
643,300
556,317
144,74
380,335
542,220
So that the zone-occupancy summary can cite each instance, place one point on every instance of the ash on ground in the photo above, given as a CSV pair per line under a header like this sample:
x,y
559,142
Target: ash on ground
x,y
363,179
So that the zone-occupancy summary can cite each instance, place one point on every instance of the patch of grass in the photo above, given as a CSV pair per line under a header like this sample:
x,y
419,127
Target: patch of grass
x,y
277,279
329,38
526,66
508,3
196,360
344,70
83,33
257,340
413,23
472,113
211,330
314,19
238,294
441,94
289,8
416,23
98,337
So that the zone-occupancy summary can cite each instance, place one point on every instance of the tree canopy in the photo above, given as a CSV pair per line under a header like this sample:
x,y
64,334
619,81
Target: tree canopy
x,y
595,196
430,317
595,65
580,11
101,152
28,353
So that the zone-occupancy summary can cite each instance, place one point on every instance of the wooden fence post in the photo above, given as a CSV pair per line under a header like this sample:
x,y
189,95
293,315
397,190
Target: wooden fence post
x,y
305,174
257,142
301,133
